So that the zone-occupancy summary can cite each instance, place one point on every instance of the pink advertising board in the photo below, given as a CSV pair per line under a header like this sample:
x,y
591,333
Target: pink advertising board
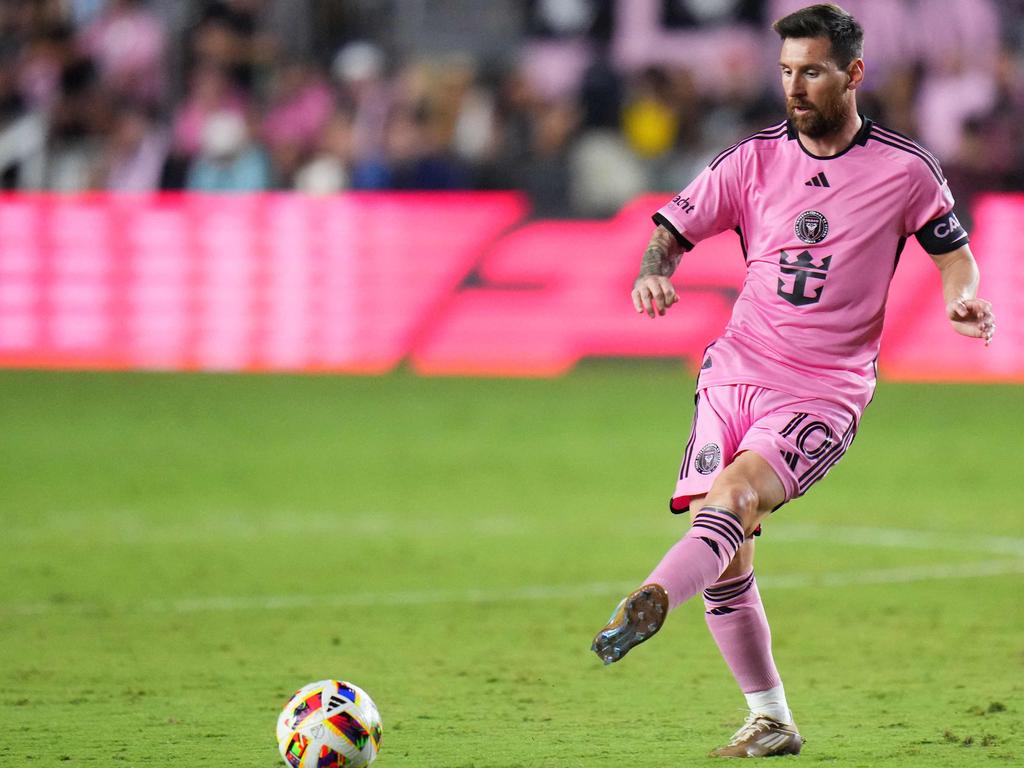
x,y
453,284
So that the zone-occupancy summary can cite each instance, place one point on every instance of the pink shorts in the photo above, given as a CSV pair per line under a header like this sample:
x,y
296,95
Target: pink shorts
x,y
801,438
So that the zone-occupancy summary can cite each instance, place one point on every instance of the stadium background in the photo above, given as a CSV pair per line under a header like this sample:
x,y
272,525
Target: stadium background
x,y
388,191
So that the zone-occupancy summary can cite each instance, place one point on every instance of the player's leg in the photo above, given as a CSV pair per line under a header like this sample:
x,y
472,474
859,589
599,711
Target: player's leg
x,y
740,496
745,492
736,618
715,433
792,444
804,446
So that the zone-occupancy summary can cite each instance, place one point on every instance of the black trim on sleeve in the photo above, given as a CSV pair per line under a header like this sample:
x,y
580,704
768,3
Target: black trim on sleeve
x,y
899,252
743,243
942,235
660,220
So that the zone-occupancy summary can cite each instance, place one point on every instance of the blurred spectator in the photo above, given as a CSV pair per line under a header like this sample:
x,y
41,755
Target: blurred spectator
x,y
462,111
46,53
604,170
562,37
127,42
211,92
947,100
224,39
601,94
580,103
359,72
416,159
229,161
79,120
22,133
545,173
299,107
988,154
650,120
330,169
135,153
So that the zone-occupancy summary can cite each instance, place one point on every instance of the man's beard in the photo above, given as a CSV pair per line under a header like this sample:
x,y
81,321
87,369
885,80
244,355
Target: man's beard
x,y
822,119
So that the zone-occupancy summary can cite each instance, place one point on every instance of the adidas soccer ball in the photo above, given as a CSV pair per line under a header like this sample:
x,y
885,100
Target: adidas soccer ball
x,y
329,724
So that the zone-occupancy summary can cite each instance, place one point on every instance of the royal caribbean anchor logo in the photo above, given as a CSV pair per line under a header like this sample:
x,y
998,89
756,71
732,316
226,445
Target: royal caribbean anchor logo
x,y
802,269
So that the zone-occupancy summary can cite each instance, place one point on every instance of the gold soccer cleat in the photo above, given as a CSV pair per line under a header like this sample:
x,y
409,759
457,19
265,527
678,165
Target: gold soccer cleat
x,y
636,618
762,736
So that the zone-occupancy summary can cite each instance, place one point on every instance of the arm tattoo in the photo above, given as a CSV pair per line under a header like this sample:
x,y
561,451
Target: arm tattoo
x,y
662,254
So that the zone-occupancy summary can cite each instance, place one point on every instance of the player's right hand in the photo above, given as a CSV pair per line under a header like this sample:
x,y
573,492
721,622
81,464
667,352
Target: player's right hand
x,y
653,294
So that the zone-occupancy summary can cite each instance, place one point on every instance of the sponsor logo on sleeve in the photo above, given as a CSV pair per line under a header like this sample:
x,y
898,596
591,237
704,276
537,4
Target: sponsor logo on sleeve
x,y
683,203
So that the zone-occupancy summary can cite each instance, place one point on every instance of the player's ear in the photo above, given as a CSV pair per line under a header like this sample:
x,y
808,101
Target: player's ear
x,y
856,74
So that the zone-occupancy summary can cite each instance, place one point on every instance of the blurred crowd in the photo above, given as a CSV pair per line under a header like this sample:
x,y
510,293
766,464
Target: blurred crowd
x,y
580,103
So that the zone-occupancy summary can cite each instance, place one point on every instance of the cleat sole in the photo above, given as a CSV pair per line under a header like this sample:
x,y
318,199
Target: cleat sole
x,y
636,620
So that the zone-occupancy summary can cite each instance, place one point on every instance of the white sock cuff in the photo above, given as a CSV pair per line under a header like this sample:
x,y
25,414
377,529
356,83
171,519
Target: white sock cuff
x,y
771,702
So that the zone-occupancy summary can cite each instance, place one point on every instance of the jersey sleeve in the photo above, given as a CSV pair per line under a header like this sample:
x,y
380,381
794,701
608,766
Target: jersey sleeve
x,y
929,214
707,206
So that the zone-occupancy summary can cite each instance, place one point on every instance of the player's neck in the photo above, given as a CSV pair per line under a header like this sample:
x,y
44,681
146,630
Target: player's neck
x,y
834,143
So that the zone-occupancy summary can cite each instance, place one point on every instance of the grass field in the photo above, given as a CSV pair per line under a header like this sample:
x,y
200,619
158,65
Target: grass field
x,y
181,552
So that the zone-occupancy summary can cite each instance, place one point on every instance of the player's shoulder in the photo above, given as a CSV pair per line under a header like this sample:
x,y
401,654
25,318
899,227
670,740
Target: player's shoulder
x,y
902,149
766,137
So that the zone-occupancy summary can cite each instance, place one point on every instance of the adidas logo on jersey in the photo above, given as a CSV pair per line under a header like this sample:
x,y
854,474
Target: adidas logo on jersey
x,y
817,181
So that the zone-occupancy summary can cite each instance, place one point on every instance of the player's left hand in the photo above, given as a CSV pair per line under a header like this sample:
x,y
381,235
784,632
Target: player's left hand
x,y
972,317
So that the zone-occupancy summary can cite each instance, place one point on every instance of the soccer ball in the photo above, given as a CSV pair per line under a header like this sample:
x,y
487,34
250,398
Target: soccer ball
x,y
329,724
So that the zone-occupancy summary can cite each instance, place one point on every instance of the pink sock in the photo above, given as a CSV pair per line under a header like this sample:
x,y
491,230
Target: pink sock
x,y
699,558
735,616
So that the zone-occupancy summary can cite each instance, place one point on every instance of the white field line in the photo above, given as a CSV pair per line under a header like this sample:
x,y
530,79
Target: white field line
x,y
519,594
129,529
898,539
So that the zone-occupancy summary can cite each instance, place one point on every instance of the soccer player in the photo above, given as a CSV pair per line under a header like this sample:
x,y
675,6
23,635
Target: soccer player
x,y
823,204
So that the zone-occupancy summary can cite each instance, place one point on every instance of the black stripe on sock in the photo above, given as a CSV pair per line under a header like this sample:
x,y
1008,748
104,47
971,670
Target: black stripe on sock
x,y
721,528
729,591
713,544
724,511
731,584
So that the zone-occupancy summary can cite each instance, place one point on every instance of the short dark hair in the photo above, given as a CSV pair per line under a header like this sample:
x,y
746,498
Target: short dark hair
x,y
826,20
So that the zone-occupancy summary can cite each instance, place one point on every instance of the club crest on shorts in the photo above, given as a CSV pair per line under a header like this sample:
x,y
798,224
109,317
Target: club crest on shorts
x,y
708,458
811,227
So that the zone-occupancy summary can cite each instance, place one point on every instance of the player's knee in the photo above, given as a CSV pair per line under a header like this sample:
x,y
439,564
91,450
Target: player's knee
x,y
740,498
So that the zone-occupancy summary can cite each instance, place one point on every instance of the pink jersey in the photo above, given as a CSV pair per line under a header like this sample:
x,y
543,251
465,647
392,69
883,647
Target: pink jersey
x,y
821,237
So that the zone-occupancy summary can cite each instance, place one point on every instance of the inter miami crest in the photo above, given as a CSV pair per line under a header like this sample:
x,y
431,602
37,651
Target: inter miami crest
x,y
811,227
708,458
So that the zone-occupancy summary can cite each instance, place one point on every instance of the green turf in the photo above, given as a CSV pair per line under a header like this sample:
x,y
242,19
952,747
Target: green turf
x,y
182,552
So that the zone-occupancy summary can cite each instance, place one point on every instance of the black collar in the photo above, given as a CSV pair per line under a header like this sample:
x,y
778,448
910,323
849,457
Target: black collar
x,y
859,140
